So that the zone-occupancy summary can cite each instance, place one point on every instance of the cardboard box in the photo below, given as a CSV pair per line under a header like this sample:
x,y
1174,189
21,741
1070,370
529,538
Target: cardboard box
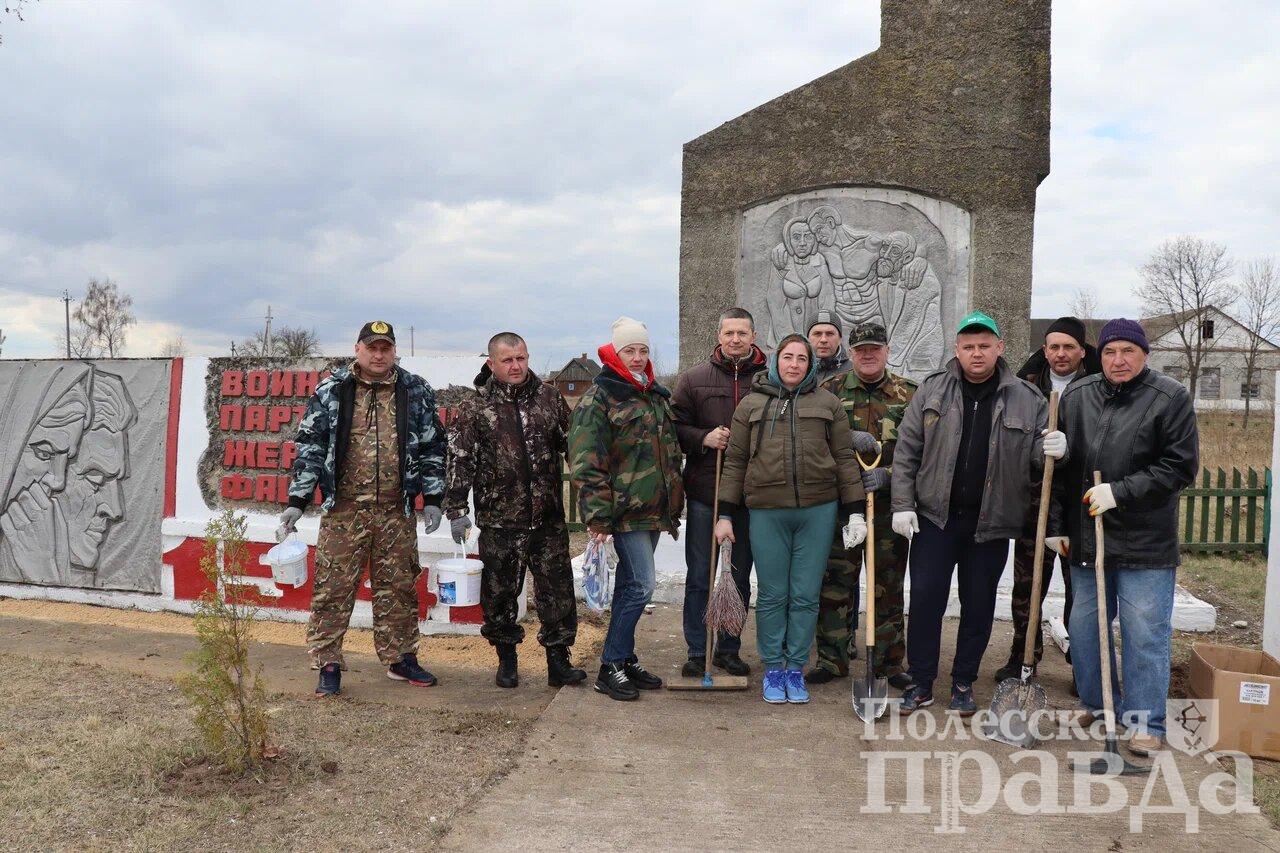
x,y
1246,685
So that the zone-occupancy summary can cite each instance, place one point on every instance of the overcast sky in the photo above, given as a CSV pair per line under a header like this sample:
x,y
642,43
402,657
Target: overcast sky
x,y
467,167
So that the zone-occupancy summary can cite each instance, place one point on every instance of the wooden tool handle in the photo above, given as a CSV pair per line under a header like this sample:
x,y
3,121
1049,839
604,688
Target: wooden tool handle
x,y
1104,624
869,549
1037,561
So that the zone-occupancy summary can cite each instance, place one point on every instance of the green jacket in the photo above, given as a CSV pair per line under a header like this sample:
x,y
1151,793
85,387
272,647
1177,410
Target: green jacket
x,y
626,457
789,449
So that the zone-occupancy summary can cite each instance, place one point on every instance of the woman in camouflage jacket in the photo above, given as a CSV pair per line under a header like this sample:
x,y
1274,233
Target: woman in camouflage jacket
x,y
626,465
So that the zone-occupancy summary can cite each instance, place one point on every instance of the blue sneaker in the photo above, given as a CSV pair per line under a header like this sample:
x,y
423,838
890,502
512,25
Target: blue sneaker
x,y
914,698
962,700
775,690
797,693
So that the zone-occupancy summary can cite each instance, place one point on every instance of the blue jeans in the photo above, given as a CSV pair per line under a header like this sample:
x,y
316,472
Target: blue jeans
x,y
632,589
697,557
1144,599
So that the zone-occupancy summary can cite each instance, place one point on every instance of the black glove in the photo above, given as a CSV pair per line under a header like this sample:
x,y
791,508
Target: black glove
x,y
875,479
865,444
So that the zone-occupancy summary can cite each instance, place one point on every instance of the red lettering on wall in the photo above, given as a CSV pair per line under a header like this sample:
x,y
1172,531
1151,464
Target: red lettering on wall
x,y
265,489
288,453
256,383
238,454
282,383
255,418
237,487
232,383
230,417
279,417
268,454
305,382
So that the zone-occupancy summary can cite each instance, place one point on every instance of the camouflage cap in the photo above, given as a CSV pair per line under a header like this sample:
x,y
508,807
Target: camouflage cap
x,y
868,333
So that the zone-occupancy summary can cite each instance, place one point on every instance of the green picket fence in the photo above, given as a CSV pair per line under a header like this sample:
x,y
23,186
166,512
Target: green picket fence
x,y
1229,516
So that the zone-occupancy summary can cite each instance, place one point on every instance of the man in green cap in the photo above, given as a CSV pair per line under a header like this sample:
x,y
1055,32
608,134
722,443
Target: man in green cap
x,y
961,490
875,401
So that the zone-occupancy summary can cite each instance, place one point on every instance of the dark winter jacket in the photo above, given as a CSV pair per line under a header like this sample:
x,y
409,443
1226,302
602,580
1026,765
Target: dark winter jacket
x,y
325,432
508,445
1142,436
790,448
625,454
924,460
704,398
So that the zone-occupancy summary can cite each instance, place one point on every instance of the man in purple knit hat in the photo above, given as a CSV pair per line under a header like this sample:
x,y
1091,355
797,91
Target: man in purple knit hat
x,y
1142,476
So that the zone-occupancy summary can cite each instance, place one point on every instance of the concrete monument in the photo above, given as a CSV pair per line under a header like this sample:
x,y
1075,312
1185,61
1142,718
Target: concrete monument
x,y
899,188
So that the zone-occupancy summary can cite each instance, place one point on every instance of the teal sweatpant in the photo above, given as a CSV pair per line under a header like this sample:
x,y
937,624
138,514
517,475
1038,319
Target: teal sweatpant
x,y
790,548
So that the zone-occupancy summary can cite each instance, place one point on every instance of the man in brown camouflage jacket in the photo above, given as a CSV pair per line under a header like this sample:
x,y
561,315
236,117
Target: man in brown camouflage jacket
x,y
508,445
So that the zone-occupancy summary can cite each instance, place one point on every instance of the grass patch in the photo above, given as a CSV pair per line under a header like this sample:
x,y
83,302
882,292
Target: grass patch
x,y
1225,444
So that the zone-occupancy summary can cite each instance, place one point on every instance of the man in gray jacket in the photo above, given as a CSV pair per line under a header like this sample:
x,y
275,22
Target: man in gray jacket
x,y
969,446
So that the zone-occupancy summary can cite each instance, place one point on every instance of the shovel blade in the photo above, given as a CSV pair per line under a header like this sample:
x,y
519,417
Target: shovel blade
x,y
1012,710
1012,729
1110,763
870,698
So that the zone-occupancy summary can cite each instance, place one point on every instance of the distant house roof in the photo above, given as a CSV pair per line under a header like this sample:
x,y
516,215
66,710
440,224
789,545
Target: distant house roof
x,y
580,369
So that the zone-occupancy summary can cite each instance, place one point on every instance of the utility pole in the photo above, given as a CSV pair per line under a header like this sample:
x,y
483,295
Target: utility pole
x,y
266,342
1,340
66,304
233,349
411,341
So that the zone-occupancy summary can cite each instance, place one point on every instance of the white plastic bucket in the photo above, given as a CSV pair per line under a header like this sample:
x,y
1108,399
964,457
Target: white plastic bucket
x,y
288,562
458,580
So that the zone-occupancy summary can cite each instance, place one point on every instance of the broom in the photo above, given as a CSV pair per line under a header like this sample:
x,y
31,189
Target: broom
x,y
725,610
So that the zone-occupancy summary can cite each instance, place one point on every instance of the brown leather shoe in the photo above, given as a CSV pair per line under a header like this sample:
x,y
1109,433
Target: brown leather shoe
x,y
1083,717
1143,744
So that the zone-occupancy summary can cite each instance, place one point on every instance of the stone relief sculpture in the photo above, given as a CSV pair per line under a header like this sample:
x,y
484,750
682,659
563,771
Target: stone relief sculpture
x,y
64,459
871,255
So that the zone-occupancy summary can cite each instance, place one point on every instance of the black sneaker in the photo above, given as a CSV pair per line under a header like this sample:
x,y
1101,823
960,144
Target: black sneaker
x,y
1012,669
613,682
330,683
900,681
731,663
408,670
915,698
560,671
962,700
821,675
642,678
694,668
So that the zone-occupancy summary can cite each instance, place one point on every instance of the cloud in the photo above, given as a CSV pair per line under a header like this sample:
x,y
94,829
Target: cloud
x,y
460,168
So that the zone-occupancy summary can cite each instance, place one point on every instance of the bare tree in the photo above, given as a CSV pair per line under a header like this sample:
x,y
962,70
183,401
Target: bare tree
x,y
14,7
175,347
295,343
1083,303
1260,297
103,315
286,342
1187,279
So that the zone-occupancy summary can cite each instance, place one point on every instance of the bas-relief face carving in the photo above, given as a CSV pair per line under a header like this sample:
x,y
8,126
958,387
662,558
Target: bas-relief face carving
x,y
66,492
865,272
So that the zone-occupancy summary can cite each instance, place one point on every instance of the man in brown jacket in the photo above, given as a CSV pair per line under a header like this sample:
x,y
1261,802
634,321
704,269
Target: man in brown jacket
x,y
703,402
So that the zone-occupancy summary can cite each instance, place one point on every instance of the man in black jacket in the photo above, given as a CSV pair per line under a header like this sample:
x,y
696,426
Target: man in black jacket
x,y
1137,428
1065,357
703,402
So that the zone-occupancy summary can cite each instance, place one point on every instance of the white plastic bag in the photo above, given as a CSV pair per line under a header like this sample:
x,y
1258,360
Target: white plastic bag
x,y
597,576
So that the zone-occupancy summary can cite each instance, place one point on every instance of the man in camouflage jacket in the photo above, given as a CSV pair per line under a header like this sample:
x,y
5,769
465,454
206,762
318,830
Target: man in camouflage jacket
x,y
371,441
507,446
874,400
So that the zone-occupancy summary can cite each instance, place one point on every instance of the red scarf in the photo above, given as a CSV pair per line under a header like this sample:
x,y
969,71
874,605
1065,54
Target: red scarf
x,y
609,358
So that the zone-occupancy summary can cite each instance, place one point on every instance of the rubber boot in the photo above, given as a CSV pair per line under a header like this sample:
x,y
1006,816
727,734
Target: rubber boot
x,y
507,675
559,670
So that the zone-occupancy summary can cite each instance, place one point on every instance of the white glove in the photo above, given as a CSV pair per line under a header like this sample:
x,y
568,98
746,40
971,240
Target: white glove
x,y
288,523
1059,545
855,532
1100,499
1055,444
906,524
431,517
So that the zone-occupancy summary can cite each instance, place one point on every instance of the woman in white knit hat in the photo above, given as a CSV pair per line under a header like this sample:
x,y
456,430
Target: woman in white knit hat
x,y
626,466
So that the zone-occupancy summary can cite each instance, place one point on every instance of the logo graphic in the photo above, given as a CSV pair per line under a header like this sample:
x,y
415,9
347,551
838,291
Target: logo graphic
x,y
1192,725
379,328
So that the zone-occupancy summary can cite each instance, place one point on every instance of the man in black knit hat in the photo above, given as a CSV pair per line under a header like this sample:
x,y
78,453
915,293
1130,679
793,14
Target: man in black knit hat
x,y
1065,356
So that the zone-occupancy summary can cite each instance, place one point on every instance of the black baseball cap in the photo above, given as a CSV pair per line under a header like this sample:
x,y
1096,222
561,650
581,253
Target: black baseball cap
x,y
377,330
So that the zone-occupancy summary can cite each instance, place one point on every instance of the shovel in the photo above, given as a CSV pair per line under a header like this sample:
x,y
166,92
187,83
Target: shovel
x,y
1111,762
1017,700
870,694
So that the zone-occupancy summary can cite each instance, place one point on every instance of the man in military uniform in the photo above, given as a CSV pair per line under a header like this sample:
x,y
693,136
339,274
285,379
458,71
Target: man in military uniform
x,y
508,444
875,400
371,441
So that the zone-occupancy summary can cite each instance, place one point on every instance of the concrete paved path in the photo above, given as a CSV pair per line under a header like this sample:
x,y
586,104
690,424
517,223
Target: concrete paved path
x,y
724,771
